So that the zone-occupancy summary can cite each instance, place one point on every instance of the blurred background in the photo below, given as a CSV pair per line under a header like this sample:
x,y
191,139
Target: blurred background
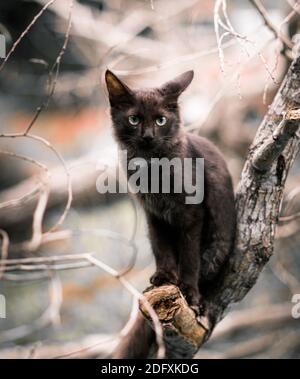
x,y
52,92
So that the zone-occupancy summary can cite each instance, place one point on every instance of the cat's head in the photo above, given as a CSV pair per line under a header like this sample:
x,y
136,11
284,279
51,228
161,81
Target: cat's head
x,y
146,118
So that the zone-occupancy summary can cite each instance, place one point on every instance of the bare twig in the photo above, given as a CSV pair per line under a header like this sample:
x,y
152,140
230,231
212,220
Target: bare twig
x,y
49,316
23,34
4,250
61,160
52,81
262,11
141,298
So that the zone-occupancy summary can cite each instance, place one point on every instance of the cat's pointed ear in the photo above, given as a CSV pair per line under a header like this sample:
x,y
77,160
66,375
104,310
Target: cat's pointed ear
x,y
175,87
117,90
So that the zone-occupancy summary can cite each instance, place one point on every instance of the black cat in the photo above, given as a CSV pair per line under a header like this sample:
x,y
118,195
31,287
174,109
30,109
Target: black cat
x,y
190,242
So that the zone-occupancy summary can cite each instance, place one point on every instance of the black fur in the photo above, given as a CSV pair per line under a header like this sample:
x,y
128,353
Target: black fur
x,y
190,242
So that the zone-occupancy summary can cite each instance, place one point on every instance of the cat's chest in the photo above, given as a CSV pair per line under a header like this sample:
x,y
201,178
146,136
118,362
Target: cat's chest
x,y
165,206
158,183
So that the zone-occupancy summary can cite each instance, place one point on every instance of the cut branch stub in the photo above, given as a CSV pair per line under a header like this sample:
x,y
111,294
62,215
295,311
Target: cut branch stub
x,y
184,333
272,148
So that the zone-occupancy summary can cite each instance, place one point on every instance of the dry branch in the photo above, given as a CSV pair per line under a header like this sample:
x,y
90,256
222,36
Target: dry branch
x,y
183,333
84,174
277,32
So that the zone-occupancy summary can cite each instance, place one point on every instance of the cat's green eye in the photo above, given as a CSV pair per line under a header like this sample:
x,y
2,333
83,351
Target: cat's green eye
x,y
134,120
161,121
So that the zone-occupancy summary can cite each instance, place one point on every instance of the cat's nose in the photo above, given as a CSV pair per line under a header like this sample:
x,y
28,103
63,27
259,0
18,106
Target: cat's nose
x,y
148,134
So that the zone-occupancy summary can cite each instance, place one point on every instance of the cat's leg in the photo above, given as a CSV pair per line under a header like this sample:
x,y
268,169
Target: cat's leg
x,y
221,225
189,264
162,241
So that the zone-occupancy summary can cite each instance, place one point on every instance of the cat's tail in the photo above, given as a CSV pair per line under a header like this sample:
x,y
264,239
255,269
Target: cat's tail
x,y
138,342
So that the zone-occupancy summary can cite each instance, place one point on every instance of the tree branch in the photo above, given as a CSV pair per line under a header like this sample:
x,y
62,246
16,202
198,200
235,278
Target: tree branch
x,y
183,332
270,151
277,33
18,202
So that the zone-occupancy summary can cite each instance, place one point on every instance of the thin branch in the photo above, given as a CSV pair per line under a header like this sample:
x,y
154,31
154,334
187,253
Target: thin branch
x,y
262,11
289,218
4,250
66,170
38,219
35,190
23,34
125,330
144,301
49,316
56,66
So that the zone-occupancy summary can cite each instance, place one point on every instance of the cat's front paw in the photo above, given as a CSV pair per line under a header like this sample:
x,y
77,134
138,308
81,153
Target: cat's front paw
x,y
192,296
161,277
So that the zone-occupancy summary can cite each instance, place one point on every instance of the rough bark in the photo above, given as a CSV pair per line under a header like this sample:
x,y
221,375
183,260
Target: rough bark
x,y
258,201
